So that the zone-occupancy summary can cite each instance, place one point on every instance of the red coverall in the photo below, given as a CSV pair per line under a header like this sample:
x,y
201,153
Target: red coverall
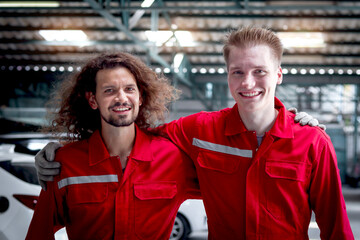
x,y
265,192
94,199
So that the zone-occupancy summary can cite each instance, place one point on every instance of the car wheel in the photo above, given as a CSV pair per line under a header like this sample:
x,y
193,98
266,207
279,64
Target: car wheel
x,y
181,228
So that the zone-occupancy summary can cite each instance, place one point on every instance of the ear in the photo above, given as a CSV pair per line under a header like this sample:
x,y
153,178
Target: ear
x,y
140,101
279,75
91,100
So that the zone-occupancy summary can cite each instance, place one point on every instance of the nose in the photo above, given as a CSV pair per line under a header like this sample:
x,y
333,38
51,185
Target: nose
x,y
248,81
121,96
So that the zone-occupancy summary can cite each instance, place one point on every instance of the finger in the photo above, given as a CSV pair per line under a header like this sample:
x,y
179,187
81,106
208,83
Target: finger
x,y
313,122
41,162
50,150
293,110
46,178
305,120
48,172
322,126
300,116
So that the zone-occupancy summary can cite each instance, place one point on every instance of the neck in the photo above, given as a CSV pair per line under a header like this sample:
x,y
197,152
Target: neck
x,y
259,122
119,141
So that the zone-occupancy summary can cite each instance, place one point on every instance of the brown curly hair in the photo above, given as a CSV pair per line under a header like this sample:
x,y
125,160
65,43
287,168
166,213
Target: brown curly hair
x,y
78,120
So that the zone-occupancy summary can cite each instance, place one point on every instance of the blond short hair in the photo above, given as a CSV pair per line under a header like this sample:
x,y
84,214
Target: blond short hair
x,y
252,36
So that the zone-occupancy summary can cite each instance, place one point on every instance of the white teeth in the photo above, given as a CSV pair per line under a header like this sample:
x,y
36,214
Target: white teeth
x,y
121,109
250,94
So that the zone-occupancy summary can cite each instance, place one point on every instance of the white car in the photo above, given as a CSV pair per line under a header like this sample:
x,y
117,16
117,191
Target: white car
x,y
19,191
191,219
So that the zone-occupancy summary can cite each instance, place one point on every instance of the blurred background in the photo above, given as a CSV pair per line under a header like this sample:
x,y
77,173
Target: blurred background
x,y
43,42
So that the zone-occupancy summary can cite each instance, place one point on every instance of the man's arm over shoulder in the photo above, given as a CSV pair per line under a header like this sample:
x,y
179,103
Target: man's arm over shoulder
x,y
180,131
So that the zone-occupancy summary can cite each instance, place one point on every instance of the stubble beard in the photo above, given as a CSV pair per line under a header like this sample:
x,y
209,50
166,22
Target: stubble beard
x,y
120,121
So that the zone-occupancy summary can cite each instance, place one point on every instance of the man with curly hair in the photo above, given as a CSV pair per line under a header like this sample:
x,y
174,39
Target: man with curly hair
x,y
117,180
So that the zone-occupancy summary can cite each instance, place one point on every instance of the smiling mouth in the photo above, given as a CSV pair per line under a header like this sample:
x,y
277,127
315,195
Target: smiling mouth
x,y
121,109
249,94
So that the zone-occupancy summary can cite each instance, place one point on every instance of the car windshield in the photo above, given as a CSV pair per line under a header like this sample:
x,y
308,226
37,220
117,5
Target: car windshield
x,y
22,170
19,142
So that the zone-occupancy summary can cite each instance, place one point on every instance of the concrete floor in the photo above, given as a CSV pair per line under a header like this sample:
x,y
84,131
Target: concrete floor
x,y
352,200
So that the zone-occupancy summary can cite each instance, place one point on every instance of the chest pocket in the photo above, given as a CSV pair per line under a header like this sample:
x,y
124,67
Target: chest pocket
x,y
297,171
220,162
155,205
285,189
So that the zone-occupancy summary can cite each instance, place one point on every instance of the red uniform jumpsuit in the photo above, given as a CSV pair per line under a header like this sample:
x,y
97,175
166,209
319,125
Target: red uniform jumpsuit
x,y
95,199
265,192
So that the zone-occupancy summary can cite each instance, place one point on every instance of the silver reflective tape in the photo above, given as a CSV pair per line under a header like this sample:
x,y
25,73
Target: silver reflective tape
x,y
87,179
222,148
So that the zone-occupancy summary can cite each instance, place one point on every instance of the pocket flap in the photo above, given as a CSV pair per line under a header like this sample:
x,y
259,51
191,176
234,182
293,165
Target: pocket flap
x,y
298,171
158,190
88,193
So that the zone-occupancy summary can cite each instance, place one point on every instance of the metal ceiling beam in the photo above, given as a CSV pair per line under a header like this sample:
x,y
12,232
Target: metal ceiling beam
x,y
235,7
232,8
107,15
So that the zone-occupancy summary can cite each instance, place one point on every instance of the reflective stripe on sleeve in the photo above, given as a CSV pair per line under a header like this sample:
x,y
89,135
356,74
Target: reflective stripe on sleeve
x,y
222,148
87,179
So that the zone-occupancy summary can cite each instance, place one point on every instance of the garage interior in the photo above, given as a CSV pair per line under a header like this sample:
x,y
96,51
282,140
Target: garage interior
x,y
44,42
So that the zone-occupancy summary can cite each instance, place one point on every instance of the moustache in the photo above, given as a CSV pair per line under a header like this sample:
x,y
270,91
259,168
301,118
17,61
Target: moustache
x,y
117,104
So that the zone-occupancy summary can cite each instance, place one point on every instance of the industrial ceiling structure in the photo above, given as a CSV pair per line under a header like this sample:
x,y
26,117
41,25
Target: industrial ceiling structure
x,y
181,39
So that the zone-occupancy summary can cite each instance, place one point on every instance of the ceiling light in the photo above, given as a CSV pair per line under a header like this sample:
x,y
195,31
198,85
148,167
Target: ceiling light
x,y
302,39
63,35
178,59
203,70
184,38
147,3
29,4
221,70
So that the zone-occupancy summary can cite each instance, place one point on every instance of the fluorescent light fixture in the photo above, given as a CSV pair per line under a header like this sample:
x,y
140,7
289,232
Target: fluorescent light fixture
x,y
302,39
29,4
147,3
178,60
158,37
63,35
184,38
